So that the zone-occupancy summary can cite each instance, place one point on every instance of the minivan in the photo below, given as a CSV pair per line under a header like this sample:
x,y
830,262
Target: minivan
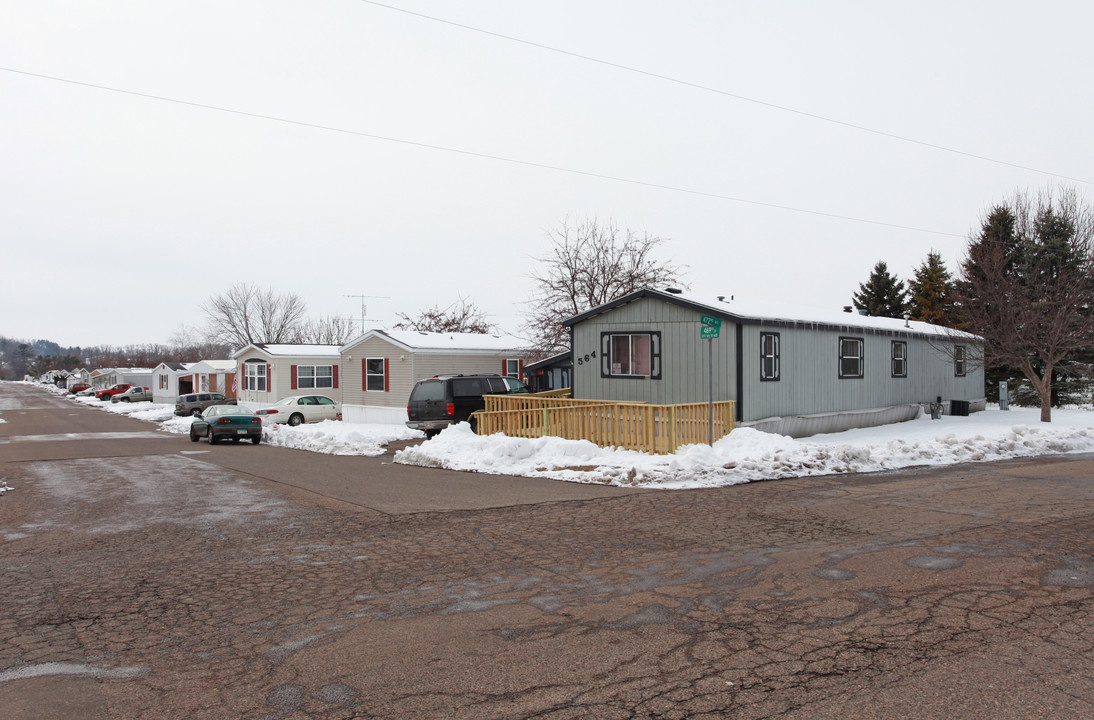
x,y
439,402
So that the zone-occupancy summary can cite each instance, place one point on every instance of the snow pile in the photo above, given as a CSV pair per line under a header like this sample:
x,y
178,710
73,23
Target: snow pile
x,y
747,455
337,438
149,412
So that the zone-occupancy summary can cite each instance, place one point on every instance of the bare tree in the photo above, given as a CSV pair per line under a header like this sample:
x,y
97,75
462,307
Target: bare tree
x,y
1027,286
332,330
586,266
462,316
248,314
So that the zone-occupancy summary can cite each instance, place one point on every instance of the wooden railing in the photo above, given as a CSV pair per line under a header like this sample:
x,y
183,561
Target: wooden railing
x,y
630,425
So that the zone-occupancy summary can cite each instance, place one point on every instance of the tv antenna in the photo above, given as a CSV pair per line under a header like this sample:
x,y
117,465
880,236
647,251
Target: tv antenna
x,y
364,308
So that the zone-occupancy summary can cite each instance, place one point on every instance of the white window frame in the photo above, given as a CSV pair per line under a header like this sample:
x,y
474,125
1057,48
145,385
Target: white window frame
x,y
859,357
512,368
617,364
371,376
254,377
312,379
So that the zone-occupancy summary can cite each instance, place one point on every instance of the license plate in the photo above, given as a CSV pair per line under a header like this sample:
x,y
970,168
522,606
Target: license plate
x,y
241,432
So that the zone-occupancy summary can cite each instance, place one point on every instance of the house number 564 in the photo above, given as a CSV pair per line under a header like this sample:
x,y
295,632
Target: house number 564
x,y
586,358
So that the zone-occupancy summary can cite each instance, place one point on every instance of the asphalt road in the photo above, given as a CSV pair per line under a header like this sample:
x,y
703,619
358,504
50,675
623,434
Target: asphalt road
x,y
142,576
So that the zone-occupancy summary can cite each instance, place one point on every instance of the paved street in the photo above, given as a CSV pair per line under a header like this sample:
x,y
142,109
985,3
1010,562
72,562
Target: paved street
x,y
142,576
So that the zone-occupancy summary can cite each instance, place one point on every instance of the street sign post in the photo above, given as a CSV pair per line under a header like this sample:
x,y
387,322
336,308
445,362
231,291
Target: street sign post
x,y
710,328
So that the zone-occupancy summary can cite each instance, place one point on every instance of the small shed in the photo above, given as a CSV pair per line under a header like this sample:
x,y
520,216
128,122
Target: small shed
x,y
796,371
215,376
382,366
550,373
267,372
169,380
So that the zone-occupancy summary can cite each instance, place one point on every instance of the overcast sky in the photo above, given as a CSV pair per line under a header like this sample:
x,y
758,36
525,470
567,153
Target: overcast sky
x,y
340,147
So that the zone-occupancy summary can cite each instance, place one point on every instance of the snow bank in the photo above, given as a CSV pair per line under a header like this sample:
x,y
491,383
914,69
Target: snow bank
x,y
337,438
747,455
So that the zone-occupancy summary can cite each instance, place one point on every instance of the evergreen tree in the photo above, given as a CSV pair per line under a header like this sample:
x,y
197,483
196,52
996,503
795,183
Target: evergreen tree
x,y
931,292
882,295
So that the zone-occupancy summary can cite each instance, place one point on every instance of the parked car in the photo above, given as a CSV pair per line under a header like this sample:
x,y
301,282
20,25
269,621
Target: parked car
x,y
134,394
88,392
77,387
195,403
297,409
226,422
439,402
107,393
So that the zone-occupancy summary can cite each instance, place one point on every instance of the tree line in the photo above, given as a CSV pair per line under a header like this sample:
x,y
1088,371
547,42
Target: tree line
x,y
1025,285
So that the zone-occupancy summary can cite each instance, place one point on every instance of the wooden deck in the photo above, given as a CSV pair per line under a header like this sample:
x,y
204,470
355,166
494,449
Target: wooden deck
x,y
635,426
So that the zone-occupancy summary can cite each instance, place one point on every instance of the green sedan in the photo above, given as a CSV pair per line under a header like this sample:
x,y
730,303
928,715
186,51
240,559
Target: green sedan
x,y
226,422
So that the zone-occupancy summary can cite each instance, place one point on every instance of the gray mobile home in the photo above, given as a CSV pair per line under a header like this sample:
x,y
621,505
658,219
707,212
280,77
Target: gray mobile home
x,y
790,370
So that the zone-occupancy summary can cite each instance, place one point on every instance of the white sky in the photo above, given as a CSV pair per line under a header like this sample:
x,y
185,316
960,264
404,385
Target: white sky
x,y
181,202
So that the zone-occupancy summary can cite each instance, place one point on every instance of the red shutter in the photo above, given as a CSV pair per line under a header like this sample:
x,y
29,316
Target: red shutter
x,y
520,369
504,367
292,377
269,378
387,375
364,374
334,369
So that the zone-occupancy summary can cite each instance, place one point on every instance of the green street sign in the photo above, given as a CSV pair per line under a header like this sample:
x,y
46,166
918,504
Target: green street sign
x,y
712,327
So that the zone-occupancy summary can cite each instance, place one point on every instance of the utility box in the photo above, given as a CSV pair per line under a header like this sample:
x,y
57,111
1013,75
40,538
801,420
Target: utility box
x,y
959,407
1004,396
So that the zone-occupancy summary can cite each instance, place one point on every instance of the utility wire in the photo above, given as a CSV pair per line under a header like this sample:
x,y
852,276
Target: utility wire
x,y
725,93
472,153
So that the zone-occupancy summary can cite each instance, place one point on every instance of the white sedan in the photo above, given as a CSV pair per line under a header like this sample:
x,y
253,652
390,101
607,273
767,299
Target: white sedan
x,y
297,409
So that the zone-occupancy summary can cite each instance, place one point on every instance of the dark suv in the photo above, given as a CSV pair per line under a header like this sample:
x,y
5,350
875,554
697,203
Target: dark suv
x,y
195,403
439,402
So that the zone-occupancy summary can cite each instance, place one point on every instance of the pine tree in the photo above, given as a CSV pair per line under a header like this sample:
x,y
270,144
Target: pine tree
x,y
931,292
883,295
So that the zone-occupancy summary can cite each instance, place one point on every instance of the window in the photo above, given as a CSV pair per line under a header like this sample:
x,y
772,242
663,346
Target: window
x,y
164,382
769,356
314,376
375,377
630,355
900,359
512,367
850,357
254,376
959,360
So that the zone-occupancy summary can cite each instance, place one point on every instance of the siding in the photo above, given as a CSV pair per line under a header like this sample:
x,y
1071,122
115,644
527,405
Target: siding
x,y
809,380
684,357
809,369
280,381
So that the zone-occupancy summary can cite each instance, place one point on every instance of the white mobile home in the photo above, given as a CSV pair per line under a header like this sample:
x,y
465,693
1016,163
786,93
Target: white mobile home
x,y
789,370
169,380
382,366
267,372
215,376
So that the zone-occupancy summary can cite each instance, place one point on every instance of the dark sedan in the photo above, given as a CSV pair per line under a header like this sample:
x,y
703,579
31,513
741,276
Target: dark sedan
x,y
226,422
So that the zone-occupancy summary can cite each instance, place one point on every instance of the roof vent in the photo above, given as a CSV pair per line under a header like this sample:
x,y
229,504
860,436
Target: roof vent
x,y
864,312
674,290
847,308
721,298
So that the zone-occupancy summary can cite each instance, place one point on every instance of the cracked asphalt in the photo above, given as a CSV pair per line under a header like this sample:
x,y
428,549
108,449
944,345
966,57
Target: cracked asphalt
x,y
142,577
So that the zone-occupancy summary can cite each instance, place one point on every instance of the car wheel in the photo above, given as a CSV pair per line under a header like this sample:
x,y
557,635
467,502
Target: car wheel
x,y
213,439
196,411
194,437
235,440
125,399
296,419
256,439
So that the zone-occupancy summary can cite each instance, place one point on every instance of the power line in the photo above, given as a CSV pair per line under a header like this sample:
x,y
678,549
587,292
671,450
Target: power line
x,y
726,93
485,156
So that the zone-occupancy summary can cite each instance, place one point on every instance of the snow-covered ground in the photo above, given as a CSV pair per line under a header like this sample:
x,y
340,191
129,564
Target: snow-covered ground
x,y
743,456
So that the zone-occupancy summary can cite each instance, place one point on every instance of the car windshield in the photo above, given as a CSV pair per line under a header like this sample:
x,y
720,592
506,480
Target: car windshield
x,y
286,401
